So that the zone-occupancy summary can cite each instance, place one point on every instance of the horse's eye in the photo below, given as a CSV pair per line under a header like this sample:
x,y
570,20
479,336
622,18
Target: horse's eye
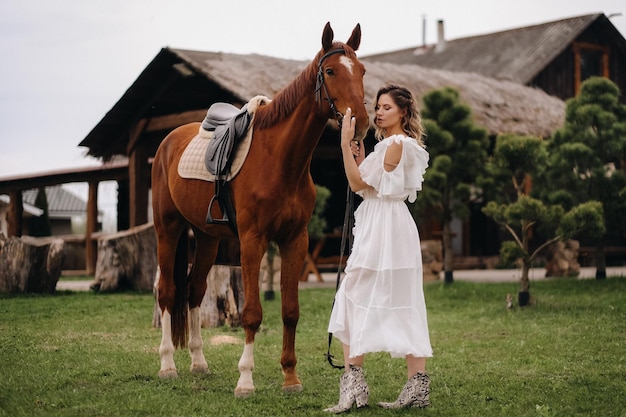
x,y
329,71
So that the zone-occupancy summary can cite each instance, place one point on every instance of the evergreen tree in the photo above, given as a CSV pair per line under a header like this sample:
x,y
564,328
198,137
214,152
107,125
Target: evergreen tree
x,y
40,226
516,160
458,153
588,160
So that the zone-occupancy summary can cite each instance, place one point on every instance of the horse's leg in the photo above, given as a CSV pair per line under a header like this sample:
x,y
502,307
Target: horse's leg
x,y
206,252
168,238
252,251
171,231
292,260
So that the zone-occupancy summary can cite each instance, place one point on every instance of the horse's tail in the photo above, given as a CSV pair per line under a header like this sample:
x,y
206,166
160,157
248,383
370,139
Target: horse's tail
x,y
180,330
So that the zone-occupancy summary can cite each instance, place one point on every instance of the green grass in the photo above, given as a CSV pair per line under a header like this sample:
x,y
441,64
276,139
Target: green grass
x,y
81,354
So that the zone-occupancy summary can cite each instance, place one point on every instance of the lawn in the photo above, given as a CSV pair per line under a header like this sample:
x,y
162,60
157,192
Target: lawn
x,y
82,354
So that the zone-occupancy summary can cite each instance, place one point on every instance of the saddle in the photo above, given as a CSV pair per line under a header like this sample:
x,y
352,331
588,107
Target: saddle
x,y
229,126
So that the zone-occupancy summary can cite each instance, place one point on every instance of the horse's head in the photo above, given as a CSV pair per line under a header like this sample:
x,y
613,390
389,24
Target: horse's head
x,y
340,79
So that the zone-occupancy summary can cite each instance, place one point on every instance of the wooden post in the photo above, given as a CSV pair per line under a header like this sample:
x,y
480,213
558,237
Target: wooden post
x,y
92,225
16,213
139,176
139,185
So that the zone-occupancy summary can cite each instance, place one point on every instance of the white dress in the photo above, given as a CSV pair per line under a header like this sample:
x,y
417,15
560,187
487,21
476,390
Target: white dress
x,y
379,306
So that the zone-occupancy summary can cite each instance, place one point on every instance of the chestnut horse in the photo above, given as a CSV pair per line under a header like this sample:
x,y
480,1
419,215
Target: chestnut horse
x,y
273,195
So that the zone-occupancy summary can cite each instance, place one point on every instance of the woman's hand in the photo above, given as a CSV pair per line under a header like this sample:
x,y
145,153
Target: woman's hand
x,y
348,143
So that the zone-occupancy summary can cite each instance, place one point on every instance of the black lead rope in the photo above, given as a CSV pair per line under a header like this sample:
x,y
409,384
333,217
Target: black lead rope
x,y
346,234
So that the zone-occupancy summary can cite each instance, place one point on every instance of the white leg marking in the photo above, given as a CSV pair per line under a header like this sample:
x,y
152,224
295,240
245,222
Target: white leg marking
x,y
198,362
347,62
166,350
245,385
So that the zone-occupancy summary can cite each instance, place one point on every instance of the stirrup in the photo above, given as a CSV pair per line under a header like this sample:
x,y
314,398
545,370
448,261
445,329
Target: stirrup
x,y
209,217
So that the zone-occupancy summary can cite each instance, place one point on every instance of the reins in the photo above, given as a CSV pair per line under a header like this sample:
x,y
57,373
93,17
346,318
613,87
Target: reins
x,y
346,234
348,220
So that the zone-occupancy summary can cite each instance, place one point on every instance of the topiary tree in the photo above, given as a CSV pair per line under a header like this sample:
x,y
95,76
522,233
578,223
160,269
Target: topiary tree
x,y
317,224
588,160
458,153
515,161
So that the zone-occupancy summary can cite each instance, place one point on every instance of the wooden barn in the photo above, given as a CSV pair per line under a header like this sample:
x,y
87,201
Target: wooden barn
x,y
178,86
554,56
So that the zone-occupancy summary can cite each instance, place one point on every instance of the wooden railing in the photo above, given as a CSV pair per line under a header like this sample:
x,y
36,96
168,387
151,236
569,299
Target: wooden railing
x,y
15,185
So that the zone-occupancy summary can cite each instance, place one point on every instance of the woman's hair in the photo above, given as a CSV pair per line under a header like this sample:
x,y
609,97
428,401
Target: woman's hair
x,y
411,121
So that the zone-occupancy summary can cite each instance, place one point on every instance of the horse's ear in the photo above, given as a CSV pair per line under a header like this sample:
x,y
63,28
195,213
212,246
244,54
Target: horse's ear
x,y
355,38
327,37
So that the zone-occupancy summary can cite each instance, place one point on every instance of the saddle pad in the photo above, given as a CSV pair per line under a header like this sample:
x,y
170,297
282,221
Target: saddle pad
x,y
191,164
192,161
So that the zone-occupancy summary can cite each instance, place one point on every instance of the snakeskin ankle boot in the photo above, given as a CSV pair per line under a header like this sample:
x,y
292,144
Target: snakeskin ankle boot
x,y
416,393
352,389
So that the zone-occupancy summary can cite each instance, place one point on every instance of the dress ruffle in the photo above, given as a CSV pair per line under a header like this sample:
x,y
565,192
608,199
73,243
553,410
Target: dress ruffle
x,y
406,179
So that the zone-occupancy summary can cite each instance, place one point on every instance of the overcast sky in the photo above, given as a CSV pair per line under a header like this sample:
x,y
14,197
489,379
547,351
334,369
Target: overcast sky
x,y
65,63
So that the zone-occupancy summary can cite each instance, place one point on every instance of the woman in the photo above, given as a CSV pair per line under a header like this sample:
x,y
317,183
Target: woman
x,y
380,305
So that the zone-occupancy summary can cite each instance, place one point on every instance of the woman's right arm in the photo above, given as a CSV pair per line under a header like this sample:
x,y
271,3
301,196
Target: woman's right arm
x,y
352,158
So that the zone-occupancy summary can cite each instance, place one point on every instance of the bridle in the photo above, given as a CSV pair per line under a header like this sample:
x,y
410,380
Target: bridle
x,y
319,85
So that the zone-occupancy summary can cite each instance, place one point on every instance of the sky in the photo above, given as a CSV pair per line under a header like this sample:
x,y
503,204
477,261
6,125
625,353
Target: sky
x,y
65,63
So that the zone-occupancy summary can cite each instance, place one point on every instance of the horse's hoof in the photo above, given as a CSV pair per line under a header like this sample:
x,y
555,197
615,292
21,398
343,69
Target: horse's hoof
x,y
168,374
244,392
292,388
199,369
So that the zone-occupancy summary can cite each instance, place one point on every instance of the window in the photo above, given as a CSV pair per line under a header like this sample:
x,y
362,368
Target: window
x,y
589,60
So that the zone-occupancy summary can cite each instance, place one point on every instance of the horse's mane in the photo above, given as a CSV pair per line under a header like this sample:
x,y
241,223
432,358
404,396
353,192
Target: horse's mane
x,y
285,101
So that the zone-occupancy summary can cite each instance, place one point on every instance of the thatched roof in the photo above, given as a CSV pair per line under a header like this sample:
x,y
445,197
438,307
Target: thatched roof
x,y
179,81
499,106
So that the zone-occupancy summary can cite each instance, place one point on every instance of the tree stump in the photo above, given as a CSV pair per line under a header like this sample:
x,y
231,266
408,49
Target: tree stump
x,y
223,301
269,274
30,265
432,259
562,259
126,260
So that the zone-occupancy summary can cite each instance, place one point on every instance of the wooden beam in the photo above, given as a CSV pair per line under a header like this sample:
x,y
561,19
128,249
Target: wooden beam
x,y
576,49
15,214
139,184
135,135
172,121
106,172
92,225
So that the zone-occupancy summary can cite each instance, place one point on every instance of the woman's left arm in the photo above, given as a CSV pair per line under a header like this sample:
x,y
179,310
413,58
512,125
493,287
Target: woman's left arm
x,y
393,153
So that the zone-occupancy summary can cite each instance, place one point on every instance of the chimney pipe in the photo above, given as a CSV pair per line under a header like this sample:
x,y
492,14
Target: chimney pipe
x,y
441,40
423,30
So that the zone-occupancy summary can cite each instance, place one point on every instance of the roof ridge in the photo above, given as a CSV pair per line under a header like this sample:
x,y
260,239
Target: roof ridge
x,y
527,27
